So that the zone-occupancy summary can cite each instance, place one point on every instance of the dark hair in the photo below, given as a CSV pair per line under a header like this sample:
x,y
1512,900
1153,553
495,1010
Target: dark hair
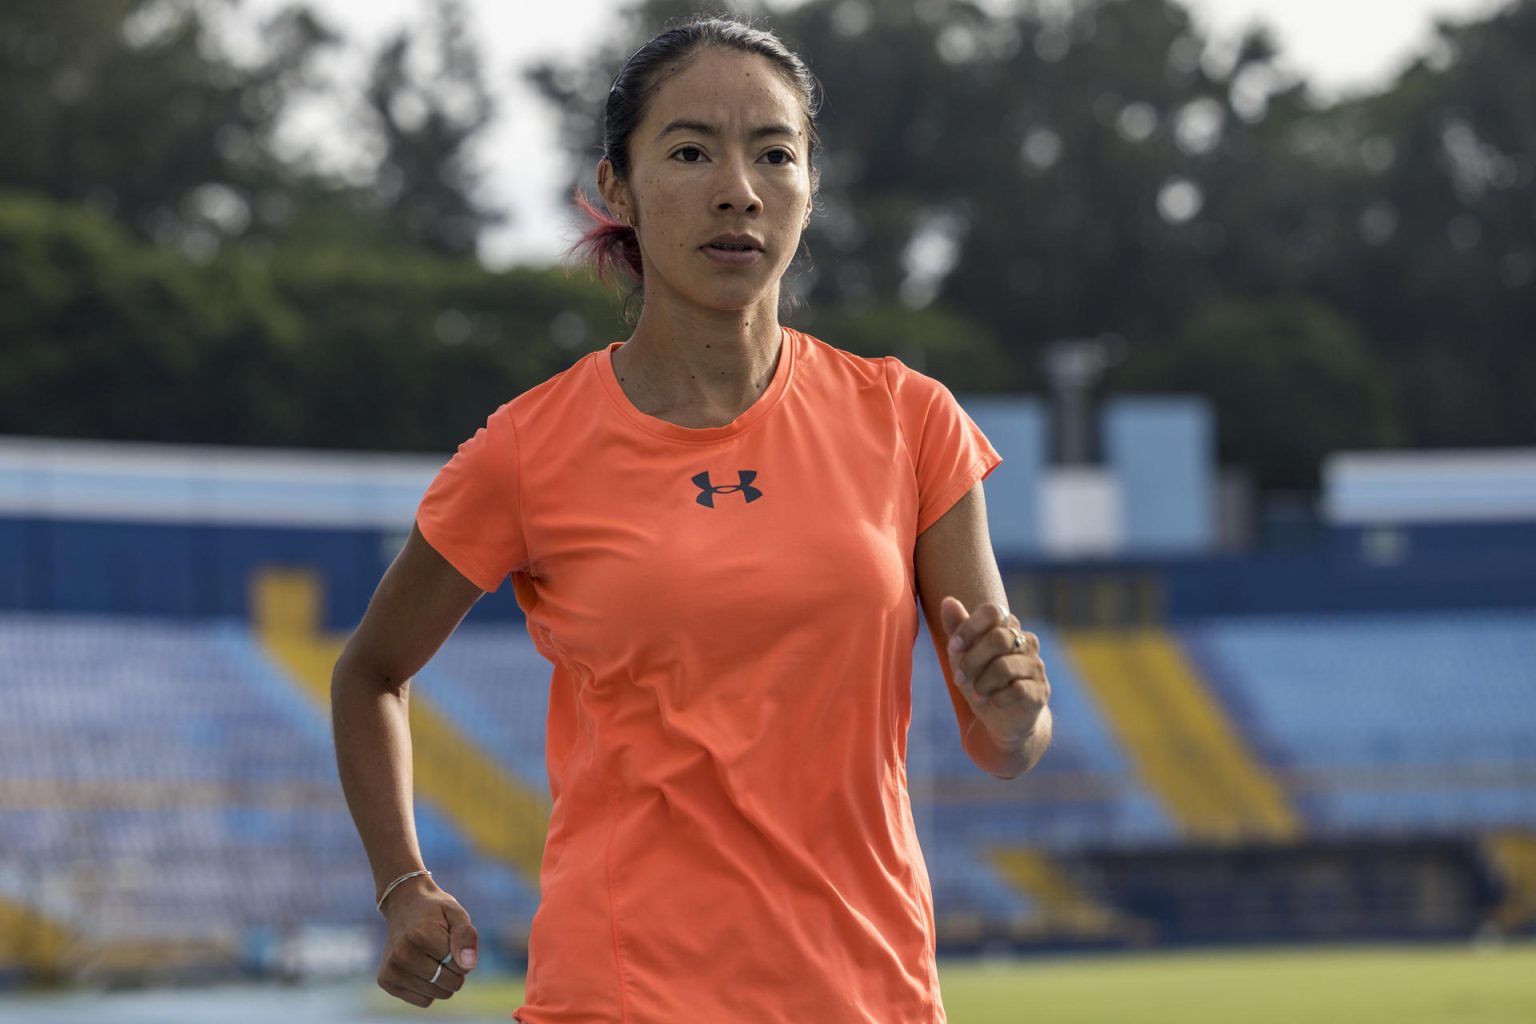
x,y
612,246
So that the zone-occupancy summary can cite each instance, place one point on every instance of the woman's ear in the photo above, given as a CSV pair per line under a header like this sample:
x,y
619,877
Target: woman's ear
x,y
614,194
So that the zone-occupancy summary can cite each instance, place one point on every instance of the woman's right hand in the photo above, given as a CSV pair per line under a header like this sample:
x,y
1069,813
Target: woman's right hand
x,y
425,923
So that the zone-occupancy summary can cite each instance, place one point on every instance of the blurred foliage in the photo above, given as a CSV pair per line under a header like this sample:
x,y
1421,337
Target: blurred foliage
x,y
1289,380
125,105
997,177
1045,171
108,337
133,108
936,341
111,337
425,177
1434,188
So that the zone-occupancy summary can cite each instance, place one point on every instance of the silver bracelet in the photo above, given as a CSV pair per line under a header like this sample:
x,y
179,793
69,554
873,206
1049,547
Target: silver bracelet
x,y
391,886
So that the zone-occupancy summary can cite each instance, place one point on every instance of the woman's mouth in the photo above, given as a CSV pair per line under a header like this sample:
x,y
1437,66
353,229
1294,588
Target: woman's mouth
x,y
732,255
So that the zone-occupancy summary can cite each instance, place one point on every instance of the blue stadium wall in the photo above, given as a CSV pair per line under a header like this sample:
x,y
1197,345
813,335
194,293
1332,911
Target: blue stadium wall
x,y
204,570
178,531
181,533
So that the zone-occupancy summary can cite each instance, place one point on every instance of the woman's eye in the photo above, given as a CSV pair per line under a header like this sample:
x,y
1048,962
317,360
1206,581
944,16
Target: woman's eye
x,y
689,149
784,153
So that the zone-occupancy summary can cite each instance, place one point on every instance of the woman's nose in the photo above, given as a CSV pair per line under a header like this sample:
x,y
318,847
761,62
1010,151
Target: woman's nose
x,y
735,188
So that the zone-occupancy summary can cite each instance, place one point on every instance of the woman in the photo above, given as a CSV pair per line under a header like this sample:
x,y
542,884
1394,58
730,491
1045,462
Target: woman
x,y
718,530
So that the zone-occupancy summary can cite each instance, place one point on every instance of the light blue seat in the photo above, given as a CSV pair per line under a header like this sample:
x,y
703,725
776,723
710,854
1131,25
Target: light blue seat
x,y
1387,721
231,814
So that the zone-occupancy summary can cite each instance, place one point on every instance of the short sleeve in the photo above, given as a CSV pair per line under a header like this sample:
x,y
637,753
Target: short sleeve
x,y
471,513
949,452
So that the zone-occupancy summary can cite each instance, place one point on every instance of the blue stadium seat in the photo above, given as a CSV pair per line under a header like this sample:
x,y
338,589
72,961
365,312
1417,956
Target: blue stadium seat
x,y
188,788
1386,721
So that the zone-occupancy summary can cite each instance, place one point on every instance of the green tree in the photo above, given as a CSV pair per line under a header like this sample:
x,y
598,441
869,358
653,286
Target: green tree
x,y
1290,381
1435,187
412,351
131,106
111,337
429,119
934,340
1037,171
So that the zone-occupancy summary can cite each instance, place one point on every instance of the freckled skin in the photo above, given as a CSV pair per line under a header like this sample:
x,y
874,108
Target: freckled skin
x,y
688,187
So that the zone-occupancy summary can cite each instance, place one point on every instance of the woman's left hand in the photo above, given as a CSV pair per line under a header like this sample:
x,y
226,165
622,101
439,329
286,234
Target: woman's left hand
x,y
1005,685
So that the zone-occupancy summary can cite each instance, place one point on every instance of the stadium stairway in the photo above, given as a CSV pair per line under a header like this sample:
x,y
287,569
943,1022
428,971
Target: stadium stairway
x,y
1175,730
33,943
1513,852
1062,908
466,785
38,948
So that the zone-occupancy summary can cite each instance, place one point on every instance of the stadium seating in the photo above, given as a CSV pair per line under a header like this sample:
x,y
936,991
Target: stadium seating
x,y
164,778
483,671
1084,792
1408,720
160,778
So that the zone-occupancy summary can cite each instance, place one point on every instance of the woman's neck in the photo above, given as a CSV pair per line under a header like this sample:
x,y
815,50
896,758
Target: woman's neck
x,y
699,365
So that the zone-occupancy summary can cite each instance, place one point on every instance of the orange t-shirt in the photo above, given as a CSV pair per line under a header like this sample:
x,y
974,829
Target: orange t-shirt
x,y
731,613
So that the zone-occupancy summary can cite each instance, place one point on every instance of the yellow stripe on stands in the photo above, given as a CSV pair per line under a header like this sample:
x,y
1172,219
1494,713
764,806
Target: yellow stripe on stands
x,y
45,951
1063,908
1177,735
501,818
148,962
1513,854
36,945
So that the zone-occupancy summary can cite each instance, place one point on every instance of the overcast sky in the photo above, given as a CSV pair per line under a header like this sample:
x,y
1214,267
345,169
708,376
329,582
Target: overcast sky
x,y
1339,46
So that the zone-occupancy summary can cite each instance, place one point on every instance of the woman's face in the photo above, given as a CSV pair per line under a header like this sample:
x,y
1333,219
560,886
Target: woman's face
x,y
721,150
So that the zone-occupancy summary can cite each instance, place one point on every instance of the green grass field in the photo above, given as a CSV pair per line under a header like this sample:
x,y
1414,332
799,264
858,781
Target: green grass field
x,y
1450,984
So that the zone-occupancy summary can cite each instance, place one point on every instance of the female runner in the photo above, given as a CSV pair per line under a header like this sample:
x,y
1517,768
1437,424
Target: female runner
x,y
720,530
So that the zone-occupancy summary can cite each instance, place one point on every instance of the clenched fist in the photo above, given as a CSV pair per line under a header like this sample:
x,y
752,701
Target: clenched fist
x,y
430,946
997,668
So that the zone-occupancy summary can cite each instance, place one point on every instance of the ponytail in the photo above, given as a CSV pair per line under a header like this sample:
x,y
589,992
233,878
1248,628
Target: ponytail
x,y
611,246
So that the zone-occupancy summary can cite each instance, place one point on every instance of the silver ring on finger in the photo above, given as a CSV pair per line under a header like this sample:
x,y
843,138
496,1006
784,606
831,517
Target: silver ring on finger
x,y
439,972
1018,638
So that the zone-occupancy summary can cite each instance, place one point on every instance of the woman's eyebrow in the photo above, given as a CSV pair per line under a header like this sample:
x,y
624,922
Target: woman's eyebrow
x,y
704,128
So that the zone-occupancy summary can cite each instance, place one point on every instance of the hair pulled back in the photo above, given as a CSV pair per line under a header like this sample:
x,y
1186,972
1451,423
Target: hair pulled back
x,y
612,246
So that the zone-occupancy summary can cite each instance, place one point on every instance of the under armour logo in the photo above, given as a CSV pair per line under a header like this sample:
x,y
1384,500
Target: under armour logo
x,y
707,491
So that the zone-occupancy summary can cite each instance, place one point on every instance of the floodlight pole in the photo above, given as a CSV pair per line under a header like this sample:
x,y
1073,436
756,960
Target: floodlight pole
x,y
1073,366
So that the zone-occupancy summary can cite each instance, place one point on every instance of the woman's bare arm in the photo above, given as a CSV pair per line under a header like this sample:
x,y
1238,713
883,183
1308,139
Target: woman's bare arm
x,y
954,558
417,606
